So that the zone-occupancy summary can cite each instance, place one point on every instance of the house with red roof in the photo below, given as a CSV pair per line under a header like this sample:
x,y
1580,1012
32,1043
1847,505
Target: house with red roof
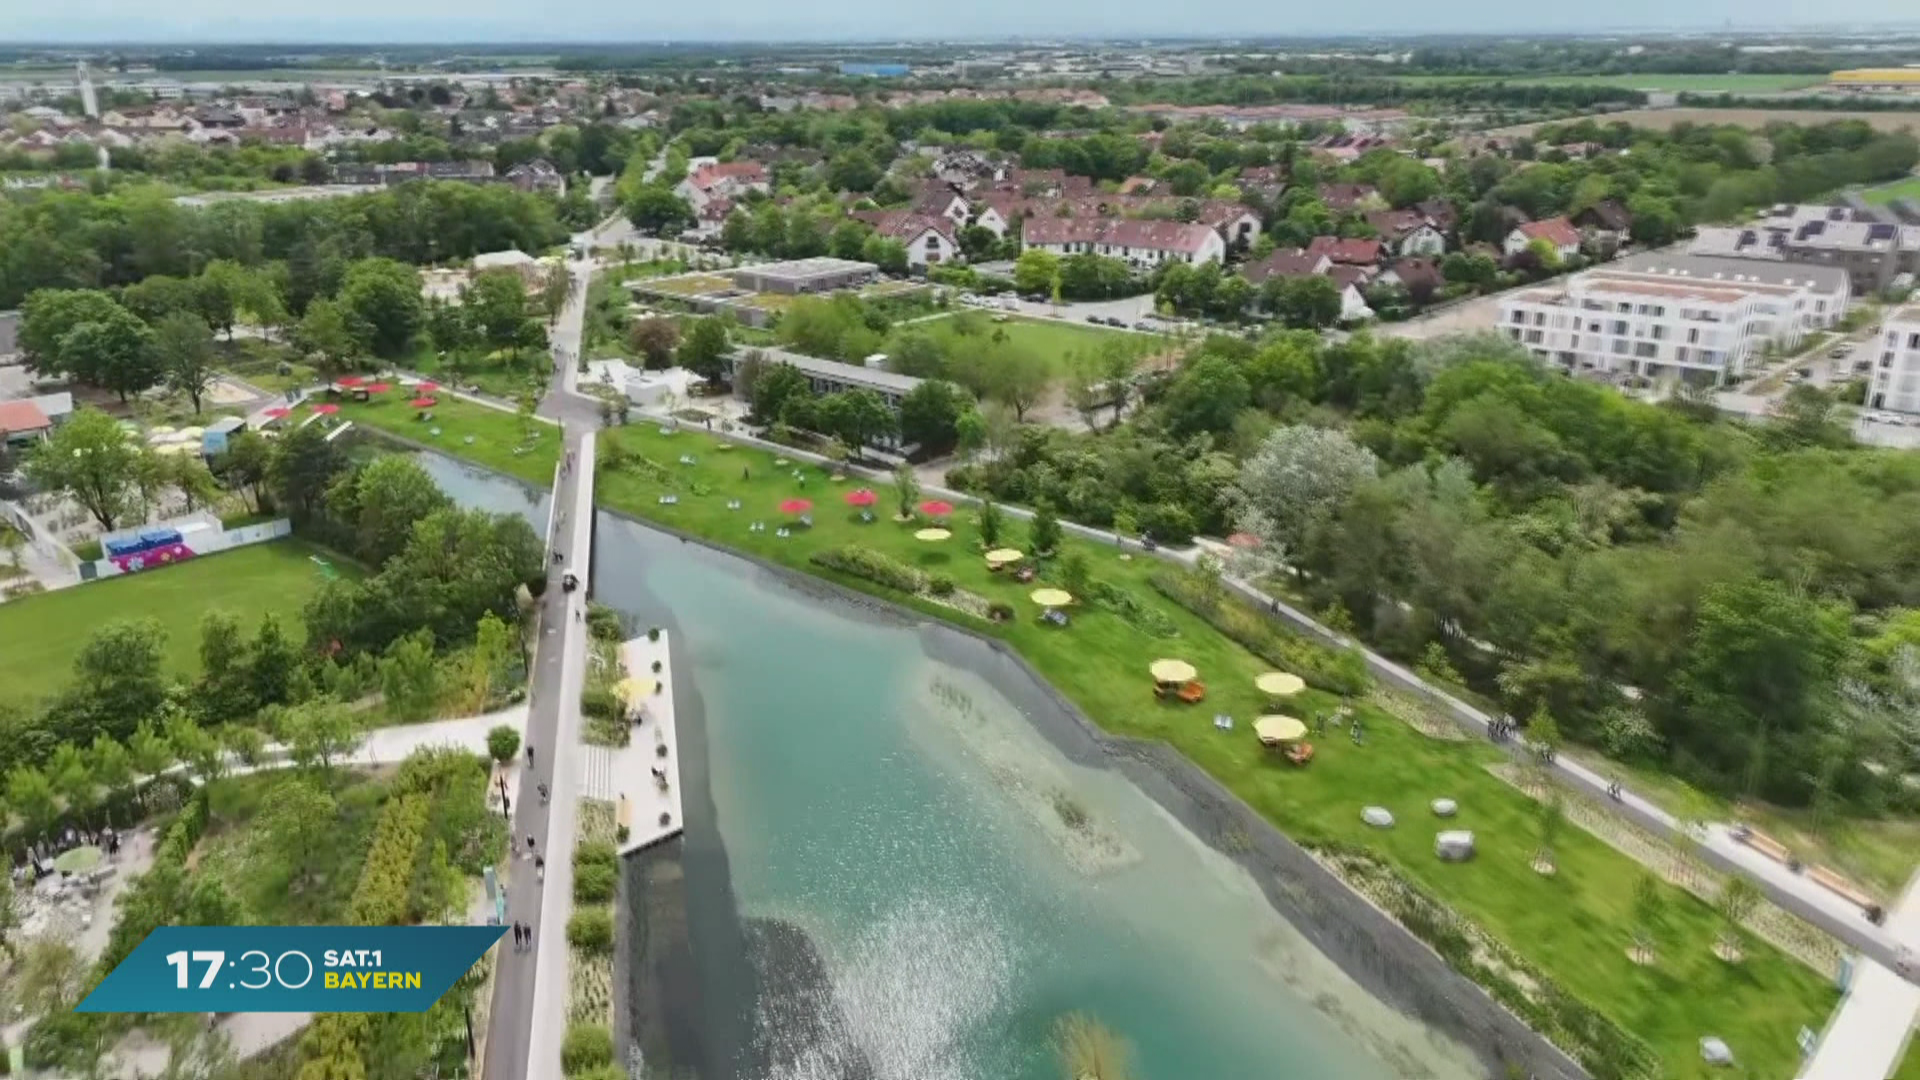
x,y
1142,243
1407,232
22,423
717,180
1557,231
1347,252
930,239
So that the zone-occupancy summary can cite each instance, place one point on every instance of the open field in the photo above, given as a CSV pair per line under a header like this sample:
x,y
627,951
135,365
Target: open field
x,y
1691,84
1908,189
40,635
1662,119
496,439
1051,339
1575,926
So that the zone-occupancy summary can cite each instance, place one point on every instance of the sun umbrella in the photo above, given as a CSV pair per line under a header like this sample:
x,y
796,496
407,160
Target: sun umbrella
x,y
633,688
376,388
278,412
1171,671
932,534
350,380
326,409
862,497
423,403
426,386
1051,597
1244,540
1280,684
1279,729
1003,556
936,508
796,506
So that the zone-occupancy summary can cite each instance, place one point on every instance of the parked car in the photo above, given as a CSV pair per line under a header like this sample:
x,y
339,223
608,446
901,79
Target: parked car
x,y
1145,326
1097,320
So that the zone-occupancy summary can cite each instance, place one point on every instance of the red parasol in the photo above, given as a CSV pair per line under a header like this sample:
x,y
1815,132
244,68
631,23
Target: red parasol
x,y
796,506
376,388
1244,540
423,403
936,508
326,410
278,412
350,380
862,497
427,386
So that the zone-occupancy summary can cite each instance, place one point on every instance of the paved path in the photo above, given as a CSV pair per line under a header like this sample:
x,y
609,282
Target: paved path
x,y
1792,892
1867,1036
528,1015
630,769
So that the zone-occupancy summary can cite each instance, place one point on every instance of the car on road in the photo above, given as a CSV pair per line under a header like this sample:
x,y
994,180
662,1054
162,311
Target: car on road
x,y
1144,326
1840,352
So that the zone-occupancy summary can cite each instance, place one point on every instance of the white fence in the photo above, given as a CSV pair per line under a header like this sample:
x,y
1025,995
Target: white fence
x,y
202,542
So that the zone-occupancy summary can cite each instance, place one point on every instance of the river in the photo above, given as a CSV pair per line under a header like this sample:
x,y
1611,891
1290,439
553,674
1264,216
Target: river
x,y
903,861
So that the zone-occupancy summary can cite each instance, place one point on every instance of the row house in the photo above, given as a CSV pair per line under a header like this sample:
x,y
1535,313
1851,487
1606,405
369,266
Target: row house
x,y
1296,263
1142,243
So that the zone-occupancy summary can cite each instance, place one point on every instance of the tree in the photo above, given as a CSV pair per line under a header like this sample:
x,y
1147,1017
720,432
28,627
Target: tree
x,y
906,488
301,470
852,170
1013,377
326,334
183,345
217,293
970,433
223,691
1035,271
49,315
704,349
1738,897
117,679
196,747
1543,735
774,387
295,822
655,209
113,353
502,743
92,460
409,679
1311,302
72,780
149,752
188,474
889,254
381,502
384,295
110,763
1300,476
1043,536
1207,397
247,745
1649,904
857,417
272,663
554,290
245,464
990,521
319,733
654,339
494,304
154,298
493,647
1550,814
930,414
33,798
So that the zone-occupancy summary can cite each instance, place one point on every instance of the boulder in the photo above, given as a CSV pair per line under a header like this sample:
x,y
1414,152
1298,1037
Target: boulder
x,y
1715,1052
1377,816
1454,845
1445,808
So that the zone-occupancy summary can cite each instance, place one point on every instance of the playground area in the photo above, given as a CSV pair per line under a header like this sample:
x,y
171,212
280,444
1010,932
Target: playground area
x,y
46,631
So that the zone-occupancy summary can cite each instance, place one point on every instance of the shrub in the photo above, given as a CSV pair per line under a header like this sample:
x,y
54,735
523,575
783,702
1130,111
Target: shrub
x,y
88,551
1169,523
870,565
1131,608
1000,611
940,585
503,742
593,884
620,833
602,702
603,623
586,1046
591,931
595,853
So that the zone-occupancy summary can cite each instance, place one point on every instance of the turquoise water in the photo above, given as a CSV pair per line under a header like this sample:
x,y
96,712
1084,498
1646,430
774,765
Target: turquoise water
x,y
964,882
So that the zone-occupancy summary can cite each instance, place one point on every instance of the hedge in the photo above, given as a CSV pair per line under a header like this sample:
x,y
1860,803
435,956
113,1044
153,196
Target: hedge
x,y
1340,672
870,565
591,931
593,884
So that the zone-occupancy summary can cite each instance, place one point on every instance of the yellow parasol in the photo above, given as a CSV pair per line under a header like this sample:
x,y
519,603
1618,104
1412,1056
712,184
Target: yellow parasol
x,y
634,688
932,534
1003,556
1279,729
1172,671
1280,684
1051,597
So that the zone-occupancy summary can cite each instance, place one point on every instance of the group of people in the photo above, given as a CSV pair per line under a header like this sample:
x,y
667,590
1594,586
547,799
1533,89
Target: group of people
x,y
1501,730
522,936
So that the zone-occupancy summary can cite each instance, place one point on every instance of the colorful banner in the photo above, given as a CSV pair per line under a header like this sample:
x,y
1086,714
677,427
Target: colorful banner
x,y
320,969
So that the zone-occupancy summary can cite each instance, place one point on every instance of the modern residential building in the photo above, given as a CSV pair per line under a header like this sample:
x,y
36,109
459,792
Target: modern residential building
x,y
1829,288
1896,367
1661,323
1871,251
1142,243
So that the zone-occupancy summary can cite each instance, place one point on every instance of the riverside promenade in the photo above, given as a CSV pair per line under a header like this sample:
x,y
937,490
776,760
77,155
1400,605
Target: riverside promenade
x,y
643,777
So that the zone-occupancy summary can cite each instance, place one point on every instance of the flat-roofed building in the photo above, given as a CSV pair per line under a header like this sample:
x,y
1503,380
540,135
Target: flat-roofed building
x,y
1661,323
1873,252
1896,366
805,275
831,376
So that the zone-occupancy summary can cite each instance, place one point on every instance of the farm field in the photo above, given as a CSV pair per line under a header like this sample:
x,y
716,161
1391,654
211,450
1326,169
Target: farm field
x,y
1662,119
1886,193
41,634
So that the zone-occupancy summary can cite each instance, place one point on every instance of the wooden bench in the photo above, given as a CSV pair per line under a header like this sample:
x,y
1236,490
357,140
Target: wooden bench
x,y
1840,886
1765,845
624,816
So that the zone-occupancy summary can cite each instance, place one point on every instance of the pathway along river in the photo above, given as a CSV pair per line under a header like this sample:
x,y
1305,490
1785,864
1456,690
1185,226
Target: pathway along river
x,y
904,861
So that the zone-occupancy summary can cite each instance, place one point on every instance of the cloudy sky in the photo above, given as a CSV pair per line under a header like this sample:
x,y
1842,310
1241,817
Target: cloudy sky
x,y
627,20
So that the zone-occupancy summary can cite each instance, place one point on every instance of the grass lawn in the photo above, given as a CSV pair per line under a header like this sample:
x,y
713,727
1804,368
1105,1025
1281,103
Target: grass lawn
x,y
489,370
1900,189
493,438
1692,84
43,633
1910,1065
1051,339
1575,926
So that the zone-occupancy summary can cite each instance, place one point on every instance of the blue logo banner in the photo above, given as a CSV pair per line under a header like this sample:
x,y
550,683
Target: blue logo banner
x,y
321,969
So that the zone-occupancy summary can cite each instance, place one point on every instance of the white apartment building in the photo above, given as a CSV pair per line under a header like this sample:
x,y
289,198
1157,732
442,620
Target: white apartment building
x,y
1668,321
1896,371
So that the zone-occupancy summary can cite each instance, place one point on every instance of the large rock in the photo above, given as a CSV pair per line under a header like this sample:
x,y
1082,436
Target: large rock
x,y
1377,816
1454,845
1445,808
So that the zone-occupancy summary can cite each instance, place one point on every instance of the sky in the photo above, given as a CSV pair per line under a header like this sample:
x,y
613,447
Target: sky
x,y
450,21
